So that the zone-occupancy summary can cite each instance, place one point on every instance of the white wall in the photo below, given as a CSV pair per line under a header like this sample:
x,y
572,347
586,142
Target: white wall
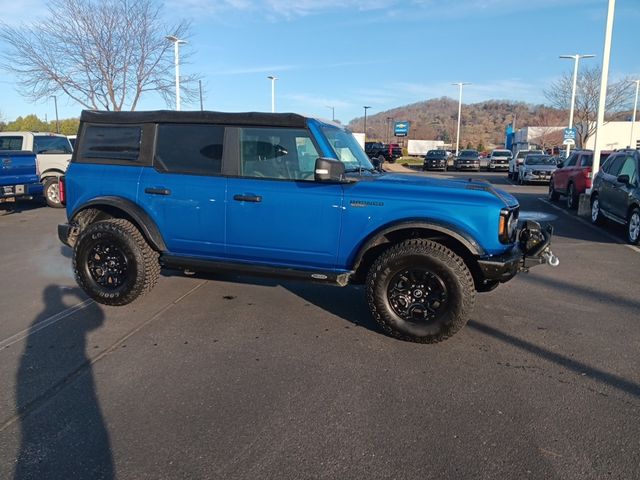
x,y
615,135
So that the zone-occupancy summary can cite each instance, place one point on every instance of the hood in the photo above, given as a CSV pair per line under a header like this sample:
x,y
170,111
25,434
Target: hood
x,y
467,186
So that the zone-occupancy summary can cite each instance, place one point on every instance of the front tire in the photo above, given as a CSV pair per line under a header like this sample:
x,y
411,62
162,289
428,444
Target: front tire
x,y
633,227
553,195
113,263
420,291
596,214
51,192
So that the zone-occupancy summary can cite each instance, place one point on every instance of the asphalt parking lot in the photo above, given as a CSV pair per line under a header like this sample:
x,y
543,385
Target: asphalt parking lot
x,y
238,378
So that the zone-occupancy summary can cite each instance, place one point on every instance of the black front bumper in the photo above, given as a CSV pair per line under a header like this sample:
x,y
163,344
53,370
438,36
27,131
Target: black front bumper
x,y
533,248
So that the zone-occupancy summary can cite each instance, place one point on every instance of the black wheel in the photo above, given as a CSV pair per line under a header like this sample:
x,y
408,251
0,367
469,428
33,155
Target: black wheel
x,y
113,263
596,214
553,195
420,291
633,226
572,197
51,192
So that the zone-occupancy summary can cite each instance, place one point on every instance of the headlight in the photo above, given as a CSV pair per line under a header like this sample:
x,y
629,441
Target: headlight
x,y
508,225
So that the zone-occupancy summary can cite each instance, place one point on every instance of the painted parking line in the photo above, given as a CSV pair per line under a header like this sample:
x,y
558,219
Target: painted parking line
x,y
590,225
47,322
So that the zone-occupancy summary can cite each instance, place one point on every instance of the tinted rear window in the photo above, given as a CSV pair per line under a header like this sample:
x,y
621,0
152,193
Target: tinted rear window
x,y
10,143
191,149
111,142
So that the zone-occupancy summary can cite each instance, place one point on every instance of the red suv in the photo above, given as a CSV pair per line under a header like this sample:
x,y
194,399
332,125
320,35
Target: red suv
x,y
573,176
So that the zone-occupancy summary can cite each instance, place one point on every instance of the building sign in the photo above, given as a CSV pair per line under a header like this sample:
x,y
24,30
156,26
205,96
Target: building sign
x,y
401,129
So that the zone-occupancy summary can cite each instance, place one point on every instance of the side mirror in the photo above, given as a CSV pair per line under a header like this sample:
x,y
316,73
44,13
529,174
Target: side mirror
x,y
624,179
377,164
328,170
560,165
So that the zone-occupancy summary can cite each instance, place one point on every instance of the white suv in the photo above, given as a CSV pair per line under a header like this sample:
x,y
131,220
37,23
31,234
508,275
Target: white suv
x,y
517,160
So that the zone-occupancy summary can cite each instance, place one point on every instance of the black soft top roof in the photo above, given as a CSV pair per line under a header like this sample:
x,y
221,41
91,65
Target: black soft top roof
x,y
292,120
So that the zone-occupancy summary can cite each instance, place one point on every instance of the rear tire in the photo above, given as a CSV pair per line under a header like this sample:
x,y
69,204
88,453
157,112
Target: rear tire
x,y
51,192
113,263
633,226
572,197
420,291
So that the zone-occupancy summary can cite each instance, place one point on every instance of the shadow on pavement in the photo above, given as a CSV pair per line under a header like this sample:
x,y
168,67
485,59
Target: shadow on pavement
x,y
612,380
348,303
580,289
63,434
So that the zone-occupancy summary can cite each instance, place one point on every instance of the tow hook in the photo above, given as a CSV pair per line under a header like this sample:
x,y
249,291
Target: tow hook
x,y
535,242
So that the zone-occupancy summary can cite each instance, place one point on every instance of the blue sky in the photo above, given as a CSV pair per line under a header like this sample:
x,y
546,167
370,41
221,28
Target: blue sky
x,y
350,53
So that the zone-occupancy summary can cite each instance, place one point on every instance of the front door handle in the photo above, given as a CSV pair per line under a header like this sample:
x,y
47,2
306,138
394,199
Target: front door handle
x,y
248,198
157,191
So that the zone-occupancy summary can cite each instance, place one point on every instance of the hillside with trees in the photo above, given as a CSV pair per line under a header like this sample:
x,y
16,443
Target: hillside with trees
x,y
482,124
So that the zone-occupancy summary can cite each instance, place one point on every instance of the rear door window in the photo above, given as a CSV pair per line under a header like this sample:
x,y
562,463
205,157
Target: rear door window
x,y
189,148
110,144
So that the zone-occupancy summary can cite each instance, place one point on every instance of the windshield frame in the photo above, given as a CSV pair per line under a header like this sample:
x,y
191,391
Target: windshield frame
x,y
332,133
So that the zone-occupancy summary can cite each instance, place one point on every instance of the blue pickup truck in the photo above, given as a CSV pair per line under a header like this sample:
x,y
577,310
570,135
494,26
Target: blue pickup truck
x,y
286,196
18,175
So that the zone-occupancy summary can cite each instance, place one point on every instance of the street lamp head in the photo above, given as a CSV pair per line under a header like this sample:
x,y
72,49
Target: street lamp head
x,y
576,56
174,39
271,77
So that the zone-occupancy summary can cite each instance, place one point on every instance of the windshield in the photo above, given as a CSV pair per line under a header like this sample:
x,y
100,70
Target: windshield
x,y
539,160
469,154
524,153
501,154
347,148
436,153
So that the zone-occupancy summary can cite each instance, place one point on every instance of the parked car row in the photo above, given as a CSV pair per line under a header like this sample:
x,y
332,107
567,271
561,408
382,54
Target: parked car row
x,y
52,155
615,194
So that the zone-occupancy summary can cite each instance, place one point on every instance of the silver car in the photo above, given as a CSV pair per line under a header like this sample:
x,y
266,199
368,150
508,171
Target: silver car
x,y
536,168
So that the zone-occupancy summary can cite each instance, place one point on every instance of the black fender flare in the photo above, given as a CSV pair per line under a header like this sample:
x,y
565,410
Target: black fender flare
x,y
443,228
143,220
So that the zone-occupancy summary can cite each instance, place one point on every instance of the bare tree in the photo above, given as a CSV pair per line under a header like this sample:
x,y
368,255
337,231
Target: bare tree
x,y
103,54
587,98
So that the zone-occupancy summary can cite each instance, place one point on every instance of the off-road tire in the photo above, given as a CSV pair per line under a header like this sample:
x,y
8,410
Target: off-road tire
x,y
437,260
553,195
633,237
596,214
51,193
142,268
572,197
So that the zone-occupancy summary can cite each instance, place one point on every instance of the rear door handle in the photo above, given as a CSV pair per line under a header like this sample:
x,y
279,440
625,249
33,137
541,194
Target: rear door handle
x,y
157,191
248,198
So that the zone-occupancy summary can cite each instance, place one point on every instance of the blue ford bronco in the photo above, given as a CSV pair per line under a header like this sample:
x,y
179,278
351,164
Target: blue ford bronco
x,y
285,196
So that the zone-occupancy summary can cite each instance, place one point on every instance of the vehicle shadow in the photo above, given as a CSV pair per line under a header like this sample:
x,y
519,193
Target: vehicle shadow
x,y
63,433
348,303
601,376
10,208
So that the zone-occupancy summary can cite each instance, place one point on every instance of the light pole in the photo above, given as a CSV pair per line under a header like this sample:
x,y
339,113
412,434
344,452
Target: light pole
x,y
366,107
55,102
333,112
633,118
273,92
389,122
576,59
176,55
460,84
